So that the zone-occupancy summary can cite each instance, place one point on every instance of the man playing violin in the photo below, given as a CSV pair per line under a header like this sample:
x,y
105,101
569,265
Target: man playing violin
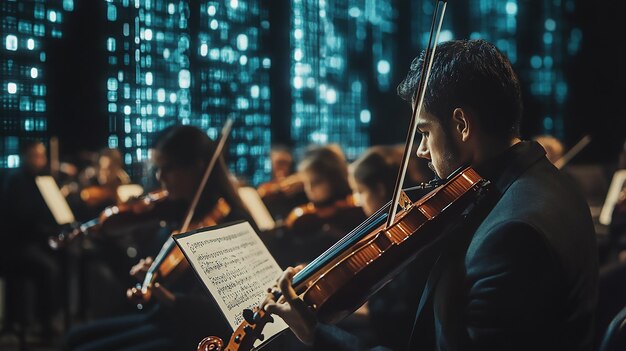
x,y
526,277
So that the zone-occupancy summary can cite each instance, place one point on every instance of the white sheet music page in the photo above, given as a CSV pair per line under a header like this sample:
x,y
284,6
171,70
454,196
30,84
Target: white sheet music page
x,y
54,200
259,212
236,267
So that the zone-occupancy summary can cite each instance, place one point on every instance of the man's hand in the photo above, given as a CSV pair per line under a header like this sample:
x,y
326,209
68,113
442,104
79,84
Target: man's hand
x,y
291,308
140,269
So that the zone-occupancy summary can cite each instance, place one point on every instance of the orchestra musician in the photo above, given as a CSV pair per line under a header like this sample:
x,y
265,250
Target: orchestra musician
x,y
182,314
331,211
27,224
109,175
522,278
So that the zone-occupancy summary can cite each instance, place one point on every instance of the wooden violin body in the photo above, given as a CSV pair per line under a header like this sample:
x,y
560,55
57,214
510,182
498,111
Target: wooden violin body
x,y
97,195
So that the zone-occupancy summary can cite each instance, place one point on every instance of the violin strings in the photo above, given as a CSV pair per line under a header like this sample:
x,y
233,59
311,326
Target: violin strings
x,y
353,235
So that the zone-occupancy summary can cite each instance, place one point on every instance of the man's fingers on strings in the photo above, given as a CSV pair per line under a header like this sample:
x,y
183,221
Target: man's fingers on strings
x,y
269,298
279,309
285,284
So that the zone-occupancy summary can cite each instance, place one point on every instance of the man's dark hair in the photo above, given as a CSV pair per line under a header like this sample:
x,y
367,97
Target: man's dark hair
x,y
470,74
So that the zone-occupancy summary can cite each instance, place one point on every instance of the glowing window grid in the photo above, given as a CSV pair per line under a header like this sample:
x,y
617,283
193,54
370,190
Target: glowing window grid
x,y
25,26
329,102
162,72
541,66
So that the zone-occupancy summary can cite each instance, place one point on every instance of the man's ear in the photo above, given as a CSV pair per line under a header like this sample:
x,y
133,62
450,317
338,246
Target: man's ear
x,y
462,123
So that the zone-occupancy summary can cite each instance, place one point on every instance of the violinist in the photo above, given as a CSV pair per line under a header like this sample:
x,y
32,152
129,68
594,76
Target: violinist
x,y
181,314
521,277
331,211
28,222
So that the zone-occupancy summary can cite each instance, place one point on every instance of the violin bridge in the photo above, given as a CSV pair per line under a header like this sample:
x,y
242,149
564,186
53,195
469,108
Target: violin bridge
x,y
404,201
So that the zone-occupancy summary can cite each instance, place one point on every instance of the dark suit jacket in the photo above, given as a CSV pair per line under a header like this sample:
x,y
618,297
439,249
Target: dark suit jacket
x,y
527,279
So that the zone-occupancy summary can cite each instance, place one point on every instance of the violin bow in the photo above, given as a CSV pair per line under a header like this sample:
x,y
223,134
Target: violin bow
x,y
207,172
418,97
580,145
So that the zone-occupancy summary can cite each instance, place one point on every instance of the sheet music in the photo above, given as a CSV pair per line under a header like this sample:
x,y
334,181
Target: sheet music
x,y
257,208
54,200
236,267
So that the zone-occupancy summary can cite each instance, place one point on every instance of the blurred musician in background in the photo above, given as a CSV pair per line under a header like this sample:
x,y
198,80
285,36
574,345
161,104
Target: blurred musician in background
x,y
27,226
109,175
331,211
373,176
285,190
182,314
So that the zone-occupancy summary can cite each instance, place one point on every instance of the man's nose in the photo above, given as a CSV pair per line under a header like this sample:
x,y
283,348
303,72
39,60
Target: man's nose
x,y
422,151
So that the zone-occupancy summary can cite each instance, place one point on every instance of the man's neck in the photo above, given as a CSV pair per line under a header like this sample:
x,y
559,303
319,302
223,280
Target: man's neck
x,y
493,149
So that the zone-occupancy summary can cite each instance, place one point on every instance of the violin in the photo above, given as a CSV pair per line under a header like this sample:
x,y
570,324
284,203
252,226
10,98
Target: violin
x,y
170,260
116,216
310,218
341,279
96,195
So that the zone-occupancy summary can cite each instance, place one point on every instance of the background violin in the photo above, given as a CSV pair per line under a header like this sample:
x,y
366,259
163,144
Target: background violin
x,y
309,218
113,218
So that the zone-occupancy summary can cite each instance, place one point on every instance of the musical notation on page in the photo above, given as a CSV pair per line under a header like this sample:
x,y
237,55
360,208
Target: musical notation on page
x,y
236,268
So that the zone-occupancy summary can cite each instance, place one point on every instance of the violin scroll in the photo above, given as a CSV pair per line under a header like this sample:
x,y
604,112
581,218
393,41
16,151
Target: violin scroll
x,y
211,343
62,239
247,333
